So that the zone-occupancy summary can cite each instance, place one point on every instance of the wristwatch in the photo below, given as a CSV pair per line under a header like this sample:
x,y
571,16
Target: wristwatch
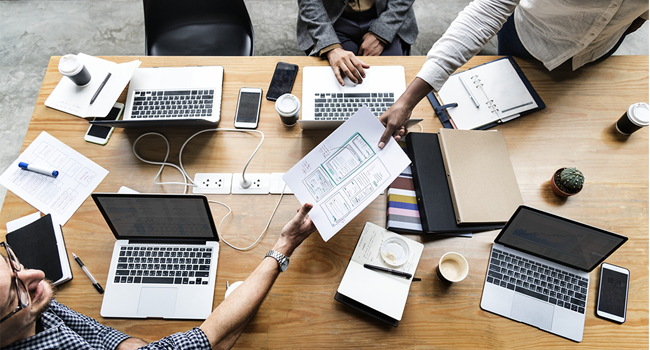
x,y
283,261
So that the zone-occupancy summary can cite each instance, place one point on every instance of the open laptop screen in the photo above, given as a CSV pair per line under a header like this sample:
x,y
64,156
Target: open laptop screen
x,y
133,216
558,239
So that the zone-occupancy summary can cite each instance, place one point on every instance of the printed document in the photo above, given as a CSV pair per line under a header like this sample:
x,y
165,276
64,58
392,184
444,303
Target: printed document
x,y
60,196
346,172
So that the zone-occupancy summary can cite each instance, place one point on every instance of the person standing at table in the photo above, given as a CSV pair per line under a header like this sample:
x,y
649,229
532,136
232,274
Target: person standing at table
x,y
30,318
554,32
345,29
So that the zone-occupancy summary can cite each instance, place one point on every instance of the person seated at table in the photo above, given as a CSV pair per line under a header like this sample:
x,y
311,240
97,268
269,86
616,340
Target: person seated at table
x,y
342,30
30,318
552,31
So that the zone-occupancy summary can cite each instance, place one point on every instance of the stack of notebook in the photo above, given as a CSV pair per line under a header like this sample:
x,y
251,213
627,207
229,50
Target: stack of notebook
x,y
464,180
402,213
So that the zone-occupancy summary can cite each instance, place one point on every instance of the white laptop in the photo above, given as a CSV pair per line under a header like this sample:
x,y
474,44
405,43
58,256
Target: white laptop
x,y
539,267
171,97
164,262
326,104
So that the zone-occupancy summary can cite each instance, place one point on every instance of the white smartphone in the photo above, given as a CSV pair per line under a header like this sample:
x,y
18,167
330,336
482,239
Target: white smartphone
x,y
612,292
249,102
100,134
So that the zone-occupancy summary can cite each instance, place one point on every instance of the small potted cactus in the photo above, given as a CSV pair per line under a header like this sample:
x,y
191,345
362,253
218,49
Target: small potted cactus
x,y
567,182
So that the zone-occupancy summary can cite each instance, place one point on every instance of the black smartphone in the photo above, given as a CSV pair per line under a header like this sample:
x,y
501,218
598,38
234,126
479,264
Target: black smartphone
x,y
282,81
612,292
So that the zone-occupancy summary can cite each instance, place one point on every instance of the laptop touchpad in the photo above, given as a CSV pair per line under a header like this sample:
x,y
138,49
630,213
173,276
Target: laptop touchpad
x,y
532,311
157,302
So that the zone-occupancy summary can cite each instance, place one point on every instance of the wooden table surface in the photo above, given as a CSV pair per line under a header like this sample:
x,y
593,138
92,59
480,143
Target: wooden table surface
x,y
576,129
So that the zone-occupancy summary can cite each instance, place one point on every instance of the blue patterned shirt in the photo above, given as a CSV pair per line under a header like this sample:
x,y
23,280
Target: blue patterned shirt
x,y
64,328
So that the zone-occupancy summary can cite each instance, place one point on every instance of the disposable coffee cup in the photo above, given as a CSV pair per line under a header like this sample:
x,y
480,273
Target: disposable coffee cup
x,y
636,117
288,107
72,67
452,267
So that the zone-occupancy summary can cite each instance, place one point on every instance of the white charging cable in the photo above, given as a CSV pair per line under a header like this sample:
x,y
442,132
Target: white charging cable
x,y
259,238
191,183
187,180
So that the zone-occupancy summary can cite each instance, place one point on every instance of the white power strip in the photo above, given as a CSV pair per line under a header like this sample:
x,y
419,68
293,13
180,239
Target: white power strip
x,y
225,183
212,183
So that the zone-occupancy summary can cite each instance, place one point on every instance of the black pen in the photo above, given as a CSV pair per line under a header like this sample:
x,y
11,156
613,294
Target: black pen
x,y
99,89
391,271
92,279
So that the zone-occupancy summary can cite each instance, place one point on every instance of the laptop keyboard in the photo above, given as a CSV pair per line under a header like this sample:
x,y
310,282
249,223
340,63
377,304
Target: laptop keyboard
x,y
172,104
163,265
341,106
538,280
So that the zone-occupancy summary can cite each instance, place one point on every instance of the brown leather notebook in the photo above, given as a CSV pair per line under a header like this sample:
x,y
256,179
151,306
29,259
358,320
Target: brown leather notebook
x,y
481,179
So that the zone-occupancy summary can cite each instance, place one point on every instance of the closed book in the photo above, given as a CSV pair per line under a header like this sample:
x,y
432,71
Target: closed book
x,y
39,245
432,189
481,179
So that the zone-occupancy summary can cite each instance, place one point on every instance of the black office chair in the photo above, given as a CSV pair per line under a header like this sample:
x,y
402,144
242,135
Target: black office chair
x,y
197,28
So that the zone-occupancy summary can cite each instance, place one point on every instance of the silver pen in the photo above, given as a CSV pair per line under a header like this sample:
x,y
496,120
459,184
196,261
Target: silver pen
x,y
471,96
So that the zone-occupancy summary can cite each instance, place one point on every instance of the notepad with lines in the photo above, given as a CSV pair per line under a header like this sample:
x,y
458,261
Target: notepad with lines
x,y
489,94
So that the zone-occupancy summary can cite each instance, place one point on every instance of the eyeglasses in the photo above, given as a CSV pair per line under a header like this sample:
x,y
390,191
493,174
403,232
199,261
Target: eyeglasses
x,y
21,291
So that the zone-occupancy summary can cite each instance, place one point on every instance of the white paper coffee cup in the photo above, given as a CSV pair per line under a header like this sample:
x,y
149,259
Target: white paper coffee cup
x,y
72,67
452,267
288,107
636,117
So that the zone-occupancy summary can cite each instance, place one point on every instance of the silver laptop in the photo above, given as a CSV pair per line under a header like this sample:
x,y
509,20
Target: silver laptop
x,y
171,97
539,270
164,262
326,104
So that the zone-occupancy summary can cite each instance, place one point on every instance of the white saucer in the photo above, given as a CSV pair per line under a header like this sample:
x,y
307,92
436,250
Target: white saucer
x,y
395,251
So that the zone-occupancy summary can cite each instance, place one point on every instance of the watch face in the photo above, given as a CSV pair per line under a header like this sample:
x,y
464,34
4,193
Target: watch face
x,y
284,265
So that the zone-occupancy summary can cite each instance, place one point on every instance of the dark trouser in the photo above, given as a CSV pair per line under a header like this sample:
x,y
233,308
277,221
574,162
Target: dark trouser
x,y
509,43
351,27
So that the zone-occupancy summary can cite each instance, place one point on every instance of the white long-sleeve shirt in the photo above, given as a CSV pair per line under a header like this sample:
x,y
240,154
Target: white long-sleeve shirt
x,y
552,31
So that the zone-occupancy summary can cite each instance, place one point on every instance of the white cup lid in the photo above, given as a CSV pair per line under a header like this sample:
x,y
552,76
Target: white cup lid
x,y
639,114
287,105
70,65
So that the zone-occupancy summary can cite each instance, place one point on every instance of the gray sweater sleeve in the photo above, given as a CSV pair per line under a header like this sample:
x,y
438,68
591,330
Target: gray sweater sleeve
x,y
391,20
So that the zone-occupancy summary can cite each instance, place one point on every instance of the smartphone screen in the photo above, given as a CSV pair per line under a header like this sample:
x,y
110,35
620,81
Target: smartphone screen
x,y
248,108
613,292
100,134
282,81
103,131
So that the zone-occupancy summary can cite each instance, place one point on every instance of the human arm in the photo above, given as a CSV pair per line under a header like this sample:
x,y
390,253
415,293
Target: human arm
x,y
226,323
391,19
400,112
465,37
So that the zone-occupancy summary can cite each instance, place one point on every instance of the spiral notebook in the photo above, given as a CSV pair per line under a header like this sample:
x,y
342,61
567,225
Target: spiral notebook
x,y
485,96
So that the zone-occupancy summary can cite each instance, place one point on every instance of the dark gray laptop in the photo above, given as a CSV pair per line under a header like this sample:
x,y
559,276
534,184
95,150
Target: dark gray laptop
x,y
539,270
164,262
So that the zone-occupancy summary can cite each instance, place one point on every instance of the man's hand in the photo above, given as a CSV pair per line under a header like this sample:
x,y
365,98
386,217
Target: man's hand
x,y
371,45
394,119
295,231
346,62
400,112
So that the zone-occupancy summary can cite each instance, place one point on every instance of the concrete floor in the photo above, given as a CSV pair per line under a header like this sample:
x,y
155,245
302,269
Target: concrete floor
x,y
32,31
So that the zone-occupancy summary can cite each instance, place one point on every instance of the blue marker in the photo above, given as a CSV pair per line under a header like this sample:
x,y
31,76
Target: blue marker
x,y
37,169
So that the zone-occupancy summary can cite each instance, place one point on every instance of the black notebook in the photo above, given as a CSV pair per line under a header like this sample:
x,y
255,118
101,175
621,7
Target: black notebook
x,y
39,245
432,189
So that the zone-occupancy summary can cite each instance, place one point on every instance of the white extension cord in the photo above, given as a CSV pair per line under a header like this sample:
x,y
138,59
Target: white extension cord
x,y
191,183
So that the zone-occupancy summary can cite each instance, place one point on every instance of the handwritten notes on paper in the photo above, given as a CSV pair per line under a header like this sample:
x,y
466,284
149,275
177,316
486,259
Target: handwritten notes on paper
x,y
60,196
